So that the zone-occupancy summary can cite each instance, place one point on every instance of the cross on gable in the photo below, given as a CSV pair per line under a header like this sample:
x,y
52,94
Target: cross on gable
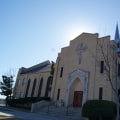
x,y
80,49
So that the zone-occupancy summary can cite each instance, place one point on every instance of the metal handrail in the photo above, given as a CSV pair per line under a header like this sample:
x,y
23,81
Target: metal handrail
x,y
67,108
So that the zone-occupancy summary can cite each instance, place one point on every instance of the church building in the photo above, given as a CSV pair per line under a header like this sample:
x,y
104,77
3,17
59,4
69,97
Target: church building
x,y
33,81
87,69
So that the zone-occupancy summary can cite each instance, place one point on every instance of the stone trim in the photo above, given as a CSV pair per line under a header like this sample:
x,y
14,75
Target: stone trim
x,y
83,76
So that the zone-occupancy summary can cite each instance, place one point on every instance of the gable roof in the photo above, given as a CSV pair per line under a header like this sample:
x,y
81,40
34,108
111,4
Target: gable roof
x,y
42,67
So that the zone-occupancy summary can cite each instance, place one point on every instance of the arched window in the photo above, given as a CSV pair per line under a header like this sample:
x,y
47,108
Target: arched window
x,y
33,88
40,87
27,89
23,81
49,82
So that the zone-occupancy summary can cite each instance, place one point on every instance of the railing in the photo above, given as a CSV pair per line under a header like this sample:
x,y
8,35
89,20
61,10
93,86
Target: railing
x,y
67,108
56,105
48,107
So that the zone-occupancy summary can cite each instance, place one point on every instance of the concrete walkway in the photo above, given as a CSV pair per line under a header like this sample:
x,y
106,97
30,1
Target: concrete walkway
x,y
15,114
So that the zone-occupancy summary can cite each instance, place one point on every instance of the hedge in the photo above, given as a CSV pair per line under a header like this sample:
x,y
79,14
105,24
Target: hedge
x,y
25,102
95,109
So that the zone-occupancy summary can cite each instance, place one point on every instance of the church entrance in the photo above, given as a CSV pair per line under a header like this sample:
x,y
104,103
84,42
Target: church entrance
x,y
77,100
76,94
77,85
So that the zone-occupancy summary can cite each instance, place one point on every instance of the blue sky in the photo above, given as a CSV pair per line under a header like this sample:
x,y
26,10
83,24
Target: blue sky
x,y
32,31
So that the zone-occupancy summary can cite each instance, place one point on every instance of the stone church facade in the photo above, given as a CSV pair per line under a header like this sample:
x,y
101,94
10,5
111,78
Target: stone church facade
x,y
87,69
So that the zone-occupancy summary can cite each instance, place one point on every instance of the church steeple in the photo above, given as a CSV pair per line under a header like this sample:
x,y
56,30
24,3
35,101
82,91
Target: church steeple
x,y
117,38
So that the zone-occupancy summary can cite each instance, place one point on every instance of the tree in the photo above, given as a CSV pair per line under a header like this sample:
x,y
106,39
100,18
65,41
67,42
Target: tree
x,y
51,76
52,69
110,56
6,86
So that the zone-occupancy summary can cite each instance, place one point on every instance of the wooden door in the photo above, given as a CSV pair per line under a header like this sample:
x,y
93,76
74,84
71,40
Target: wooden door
x,y
77,100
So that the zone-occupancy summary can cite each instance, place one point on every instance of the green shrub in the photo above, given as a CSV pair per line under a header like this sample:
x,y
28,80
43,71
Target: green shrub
x,y
94,109
25,102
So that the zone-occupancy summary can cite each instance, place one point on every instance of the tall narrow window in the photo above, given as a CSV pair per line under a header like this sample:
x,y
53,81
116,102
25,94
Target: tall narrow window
x,y
40,87
48,87
61,72
100,93
27,89
33,88
118,91
19,82
101,66
118,69
23,81
118,45
58,94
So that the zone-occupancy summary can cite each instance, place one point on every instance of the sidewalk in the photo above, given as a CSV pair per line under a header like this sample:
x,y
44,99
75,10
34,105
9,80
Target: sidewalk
x,y
6,116
9,113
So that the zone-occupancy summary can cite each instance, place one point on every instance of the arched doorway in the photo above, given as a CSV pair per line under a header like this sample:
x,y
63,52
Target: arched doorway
x,y
77,88
76,93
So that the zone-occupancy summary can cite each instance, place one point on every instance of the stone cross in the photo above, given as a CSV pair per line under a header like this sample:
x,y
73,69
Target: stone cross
x,y
80,49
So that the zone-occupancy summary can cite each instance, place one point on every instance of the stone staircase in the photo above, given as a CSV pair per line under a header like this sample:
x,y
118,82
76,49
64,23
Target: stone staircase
x,y
61,113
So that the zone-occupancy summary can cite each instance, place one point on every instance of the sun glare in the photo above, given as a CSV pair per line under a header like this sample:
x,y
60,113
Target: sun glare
x,y
75,31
